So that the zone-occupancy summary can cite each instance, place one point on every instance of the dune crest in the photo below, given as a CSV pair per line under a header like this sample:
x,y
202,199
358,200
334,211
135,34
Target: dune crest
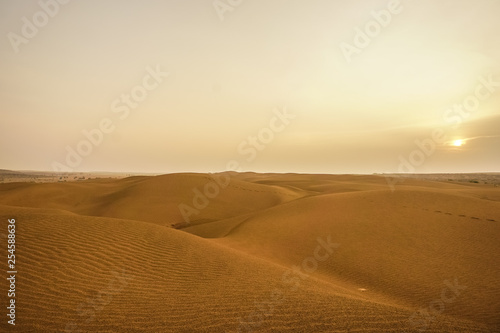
x,y
268,253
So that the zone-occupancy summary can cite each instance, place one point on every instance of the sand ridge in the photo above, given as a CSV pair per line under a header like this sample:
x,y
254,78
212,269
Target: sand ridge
x,y
101,255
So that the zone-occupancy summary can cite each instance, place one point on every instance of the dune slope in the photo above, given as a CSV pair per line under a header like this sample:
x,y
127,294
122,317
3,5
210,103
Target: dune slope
x,y
97,256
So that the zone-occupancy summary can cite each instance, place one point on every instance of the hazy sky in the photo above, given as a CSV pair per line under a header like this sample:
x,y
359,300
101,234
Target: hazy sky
x,y
272,85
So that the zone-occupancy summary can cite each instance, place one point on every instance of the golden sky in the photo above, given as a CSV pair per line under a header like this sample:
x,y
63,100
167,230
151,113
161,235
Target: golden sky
x,y
319,86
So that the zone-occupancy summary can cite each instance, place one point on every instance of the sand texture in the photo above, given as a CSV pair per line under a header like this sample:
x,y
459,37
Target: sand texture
x,y
267,253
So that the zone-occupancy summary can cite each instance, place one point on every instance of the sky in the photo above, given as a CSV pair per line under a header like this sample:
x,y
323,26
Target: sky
x,y
317,86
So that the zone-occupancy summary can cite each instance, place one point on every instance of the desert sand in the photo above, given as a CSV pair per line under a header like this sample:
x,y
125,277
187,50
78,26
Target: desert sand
x,y
262,253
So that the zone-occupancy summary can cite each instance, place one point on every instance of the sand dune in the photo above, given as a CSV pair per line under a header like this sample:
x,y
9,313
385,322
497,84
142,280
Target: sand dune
x,y
101,255
151,199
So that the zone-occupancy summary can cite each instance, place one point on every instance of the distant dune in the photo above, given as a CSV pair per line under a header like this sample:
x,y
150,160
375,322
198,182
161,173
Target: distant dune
x,y
254,252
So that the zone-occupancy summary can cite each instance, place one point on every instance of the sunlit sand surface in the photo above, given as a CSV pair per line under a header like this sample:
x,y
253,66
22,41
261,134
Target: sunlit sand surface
x,y
102,255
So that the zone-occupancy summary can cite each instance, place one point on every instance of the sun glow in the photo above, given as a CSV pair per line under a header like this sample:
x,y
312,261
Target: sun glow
x,y
458,143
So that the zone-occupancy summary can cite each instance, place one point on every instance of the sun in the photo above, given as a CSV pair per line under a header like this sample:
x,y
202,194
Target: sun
x,y
458,143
